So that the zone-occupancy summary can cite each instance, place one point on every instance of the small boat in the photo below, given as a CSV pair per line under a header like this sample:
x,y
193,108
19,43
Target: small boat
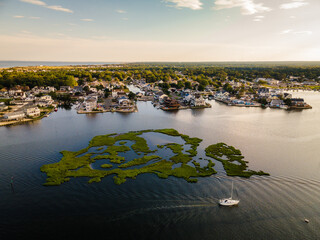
x,y
229,202
306,220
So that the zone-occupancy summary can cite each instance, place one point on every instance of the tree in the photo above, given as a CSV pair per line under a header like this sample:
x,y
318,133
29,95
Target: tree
x,y
107,92
187,85
180,85
227,87
288,101
86,89
200,88
71,81
132,95
100,87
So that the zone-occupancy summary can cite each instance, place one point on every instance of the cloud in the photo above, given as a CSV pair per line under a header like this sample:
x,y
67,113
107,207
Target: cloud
x,y
60,8
248,7
18,16
43,4
192,4
258,18
87,20
35,2
290,31
286,31
294,4
34,17
121,11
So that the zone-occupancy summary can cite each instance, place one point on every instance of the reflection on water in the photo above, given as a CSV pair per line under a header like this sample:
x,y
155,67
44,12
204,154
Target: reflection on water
x,y
284,143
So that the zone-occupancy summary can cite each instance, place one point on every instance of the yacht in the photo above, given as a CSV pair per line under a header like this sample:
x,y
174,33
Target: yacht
x,y
228,202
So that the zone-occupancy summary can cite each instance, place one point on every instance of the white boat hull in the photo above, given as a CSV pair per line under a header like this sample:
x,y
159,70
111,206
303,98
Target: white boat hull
x,y
228,202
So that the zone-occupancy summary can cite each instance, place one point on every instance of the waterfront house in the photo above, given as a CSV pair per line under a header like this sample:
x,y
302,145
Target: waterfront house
x,y
32,111
171,104
90,103
187,98
14,116
197,101
47,98
124,103
3,106
276,103
297,102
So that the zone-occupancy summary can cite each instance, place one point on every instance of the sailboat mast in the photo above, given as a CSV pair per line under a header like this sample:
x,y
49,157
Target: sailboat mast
x,y
231,190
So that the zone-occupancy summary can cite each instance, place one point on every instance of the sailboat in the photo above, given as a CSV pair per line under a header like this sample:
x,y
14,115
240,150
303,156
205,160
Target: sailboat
x,y
229,201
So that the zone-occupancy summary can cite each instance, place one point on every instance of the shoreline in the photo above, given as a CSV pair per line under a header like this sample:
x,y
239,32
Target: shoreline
x,y
26,120
135,109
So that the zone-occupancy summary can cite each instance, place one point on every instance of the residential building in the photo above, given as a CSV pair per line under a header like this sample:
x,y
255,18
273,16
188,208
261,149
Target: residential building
x,y
14,116
32,111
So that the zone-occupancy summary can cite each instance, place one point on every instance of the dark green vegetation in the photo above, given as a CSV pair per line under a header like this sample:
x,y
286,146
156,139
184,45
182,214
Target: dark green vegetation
x,y
181,164
204,73
229,156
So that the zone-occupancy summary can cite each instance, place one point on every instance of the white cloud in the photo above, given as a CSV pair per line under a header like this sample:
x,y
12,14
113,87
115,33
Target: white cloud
x,y
34,18
294,4
87,20
258,18
290,31
286,31
292,17
121,11
43,4
18,16
35,2
248,7
192,4
60,8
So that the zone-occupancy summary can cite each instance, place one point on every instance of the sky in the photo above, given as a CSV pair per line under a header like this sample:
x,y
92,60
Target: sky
x,y
159,30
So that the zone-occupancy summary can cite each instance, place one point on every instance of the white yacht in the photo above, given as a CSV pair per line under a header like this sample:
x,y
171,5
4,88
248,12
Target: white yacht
x,y
229,201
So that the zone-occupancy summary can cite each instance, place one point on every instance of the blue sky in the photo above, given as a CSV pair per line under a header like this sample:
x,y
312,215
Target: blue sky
x,y
159,30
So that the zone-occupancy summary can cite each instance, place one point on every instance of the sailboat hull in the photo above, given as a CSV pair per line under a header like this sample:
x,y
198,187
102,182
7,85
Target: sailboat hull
x,y
228,202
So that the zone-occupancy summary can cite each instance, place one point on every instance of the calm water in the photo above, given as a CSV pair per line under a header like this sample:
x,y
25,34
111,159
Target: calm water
x,y
285,144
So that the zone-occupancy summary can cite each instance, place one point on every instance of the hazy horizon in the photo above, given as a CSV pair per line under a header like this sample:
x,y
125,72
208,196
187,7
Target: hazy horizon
x,y
160,30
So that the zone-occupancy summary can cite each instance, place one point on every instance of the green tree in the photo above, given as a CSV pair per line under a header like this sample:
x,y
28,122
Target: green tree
x,y
71,81
107,92
132,95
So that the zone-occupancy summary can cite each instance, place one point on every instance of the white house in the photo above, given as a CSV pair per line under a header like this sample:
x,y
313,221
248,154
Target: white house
x,y
32,112
198,101
46,98
90,103
14,116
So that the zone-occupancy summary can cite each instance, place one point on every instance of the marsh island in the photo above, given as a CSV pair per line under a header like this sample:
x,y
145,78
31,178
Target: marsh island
x,y
129,154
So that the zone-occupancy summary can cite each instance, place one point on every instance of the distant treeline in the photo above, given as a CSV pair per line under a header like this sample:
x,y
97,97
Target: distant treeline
x,y
204,73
